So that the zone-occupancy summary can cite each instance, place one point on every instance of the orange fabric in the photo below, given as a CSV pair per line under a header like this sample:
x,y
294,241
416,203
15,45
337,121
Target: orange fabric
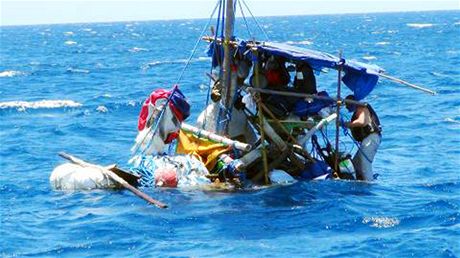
x,y
206,151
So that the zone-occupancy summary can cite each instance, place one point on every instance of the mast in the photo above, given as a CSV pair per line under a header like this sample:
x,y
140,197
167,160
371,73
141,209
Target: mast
x,y
227,90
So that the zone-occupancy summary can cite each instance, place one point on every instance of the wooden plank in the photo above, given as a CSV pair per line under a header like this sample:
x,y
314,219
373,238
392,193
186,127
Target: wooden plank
x,y
115,178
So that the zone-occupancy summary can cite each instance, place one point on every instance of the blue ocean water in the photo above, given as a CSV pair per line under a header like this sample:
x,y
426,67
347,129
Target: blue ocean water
x,y
79,87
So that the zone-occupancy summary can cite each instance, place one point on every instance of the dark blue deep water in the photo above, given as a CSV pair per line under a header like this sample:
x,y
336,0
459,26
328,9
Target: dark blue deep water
x,y
78,88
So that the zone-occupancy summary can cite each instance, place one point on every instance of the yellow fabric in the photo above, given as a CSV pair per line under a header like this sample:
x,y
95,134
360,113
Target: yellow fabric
x,y
206,151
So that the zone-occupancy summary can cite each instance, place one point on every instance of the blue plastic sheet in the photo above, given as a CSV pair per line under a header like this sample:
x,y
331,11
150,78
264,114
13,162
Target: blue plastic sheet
x,y
359,77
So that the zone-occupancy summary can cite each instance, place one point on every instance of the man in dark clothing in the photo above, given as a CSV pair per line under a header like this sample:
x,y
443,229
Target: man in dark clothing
x,y
365,129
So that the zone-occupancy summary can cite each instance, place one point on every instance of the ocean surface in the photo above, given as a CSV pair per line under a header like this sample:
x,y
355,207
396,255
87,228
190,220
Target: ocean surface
x,y
78,88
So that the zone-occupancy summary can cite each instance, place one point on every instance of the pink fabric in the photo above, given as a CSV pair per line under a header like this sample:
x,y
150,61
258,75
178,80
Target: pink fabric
x,y
144,114
166,177
154,96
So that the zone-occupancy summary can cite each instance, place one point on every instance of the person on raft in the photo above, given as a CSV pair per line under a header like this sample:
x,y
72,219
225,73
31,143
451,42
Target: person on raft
x,y
366,130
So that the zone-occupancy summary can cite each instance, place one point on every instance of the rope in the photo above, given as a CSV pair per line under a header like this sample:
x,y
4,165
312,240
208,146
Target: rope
x,y
244,18
197,42
255,20
208,95
160,117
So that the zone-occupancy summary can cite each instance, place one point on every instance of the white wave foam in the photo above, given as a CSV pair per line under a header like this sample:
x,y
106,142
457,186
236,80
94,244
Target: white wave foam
x,y
23,105
179,61
303,42
76,70
69,33
382,43
137,49
11,73
102,109
451,120
420,25
368,58
70,42
381,222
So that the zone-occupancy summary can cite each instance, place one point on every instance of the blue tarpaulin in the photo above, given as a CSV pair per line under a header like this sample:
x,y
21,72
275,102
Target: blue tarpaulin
x,y
359,77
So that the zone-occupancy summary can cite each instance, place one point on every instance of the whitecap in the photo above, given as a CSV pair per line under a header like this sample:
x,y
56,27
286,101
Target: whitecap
x,y
178,61
451,120
457,23
303,42
70,42
102,109
87,29
69,33
203,58
382,43
368,58
420,25
23,105
76,70
137,49
381,222
11,73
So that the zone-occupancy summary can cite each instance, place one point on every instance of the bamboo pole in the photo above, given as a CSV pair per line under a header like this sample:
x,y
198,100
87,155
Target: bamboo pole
x,y
253,45
261,123
115,178
226,71
337,120
304,95
317,127
217,138
294,141
411,85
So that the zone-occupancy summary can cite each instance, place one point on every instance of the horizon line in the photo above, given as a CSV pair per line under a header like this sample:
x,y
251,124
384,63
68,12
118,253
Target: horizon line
x,y
238,16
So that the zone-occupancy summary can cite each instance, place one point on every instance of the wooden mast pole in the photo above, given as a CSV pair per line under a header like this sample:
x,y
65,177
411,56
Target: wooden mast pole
x,y
226,70
337,121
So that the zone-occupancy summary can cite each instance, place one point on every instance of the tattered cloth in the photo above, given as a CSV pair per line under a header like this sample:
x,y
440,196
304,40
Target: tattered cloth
x,y
177,102
204,150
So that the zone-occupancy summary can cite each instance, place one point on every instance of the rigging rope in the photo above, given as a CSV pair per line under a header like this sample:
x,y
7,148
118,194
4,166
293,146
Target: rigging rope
x,y
244,18
219,64
255,20
197,42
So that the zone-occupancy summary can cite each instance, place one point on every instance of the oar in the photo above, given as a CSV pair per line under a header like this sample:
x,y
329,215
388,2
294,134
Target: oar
x,y
115,178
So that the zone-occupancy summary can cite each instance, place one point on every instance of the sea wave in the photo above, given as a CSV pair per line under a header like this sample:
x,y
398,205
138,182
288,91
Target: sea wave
x,y
138,49
369,58
70,42
76,70
420,25
381,222
11,73
451,120
382,43
23,105
303,42
178,61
